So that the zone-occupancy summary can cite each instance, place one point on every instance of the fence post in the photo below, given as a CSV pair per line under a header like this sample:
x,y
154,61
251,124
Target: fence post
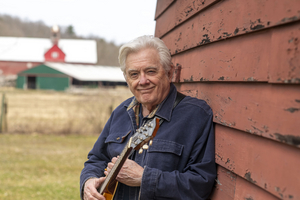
x,y
3,126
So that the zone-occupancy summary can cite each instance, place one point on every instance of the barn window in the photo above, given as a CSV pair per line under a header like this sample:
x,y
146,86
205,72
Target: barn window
x,y
54,54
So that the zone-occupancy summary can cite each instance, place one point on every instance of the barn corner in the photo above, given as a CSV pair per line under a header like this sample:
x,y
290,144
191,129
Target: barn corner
x,y
242,58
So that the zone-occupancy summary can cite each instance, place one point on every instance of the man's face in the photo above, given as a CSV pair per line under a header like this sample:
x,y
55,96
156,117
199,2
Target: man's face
x,y
146,77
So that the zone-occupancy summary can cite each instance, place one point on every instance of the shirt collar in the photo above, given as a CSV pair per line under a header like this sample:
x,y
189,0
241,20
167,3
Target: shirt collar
x,y
164,109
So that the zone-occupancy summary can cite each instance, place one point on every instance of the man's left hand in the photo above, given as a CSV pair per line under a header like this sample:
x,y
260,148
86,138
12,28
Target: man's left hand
x,y
130,174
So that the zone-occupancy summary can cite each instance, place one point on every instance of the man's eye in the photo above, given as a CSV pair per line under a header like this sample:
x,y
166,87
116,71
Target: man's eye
x,y
133,75
151,72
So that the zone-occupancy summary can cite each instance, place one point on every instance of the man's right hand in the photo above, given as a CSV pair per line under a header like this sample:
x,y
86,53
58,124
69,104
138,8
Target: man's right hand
x,y
90,189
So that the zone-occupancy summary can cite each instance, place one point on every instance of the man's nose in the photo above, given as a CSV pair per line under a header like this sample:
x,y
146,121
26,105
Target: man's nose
x,y
143,79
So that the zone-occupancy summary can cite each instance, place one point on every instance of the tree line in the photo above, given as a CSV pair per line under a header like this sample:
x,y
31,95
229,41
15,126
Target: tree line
x,y
107,52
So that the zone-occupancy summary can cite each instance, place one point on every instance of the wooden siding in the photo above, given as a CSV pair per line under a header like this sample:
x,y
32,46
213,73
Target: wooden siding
x,y
55,54
13,68
41,69
243,59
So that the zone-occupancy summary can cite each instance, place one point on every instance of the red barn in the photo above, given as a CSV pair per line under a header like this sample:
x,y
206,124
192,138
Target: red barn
x,y
242,57
18,53
55,54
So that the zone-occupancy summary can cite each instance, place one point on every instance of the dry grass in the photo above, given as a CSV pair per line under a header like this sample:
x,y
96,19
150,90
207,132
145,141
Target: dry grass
x,y
47,167
82,112
46,162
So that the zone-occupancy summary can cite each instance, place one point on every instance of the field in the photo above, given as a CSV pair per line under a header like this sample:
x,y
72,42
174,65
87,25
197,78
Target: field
x,y
36,167
48,137
49,112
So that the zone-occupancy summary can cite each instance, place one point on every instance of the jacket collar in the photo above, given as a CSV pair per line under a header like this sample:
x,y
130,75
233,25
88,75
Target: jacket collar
x,y
164,109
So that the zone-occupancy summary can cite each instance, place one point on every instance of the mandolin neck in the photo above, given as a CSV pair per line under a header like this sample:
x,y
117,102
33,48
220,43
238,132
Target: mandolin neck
x,y
143,135
116,168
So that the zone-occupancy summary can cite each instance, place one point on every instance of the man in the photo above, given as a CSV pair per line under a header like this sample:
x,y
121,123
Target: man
x,y
180,163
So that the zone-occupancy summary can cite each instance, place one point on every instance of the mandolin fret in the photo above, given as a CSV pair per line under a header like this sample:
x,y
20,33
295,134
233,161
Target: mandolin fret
x,y
117,163
140,137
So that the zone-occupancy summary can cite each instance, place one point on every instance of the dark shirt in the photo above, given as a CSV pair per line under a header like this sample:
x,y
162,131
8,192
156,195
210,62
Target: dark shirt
x,y
181,162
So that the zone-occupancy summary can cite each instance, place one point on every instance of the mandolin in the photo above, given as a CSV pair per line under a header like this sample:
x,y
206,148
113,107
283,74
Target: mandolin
x,y
139,140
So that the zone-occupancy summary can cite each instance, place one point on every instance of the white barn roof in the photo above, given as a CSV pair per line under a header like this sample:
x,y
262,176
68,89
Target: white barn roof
x,y
89,72
22,49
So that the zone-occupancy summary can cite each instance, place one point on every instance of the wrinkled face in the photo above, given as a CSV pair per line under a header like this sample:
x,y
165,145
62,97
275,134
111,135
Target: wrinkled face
x,y
146,77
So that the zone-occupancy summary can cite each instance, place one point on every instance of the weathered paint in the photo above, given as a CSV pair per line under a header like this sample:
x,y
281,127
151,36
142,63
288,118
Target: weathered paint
x,y
263,162
261,109
228,19
267,56
285,51
222,61
161,6
225,185
177,72
178,13
244,190
230,53
229,186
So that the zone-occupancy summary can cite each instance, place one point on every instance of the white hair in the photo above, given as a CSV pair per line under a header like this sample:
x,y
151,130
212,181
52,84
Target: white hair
x,y
144,42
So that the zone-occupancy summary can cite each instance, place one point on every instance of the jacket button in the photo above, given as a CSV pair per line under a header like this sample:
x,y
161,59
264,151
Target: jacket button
x,y
118,138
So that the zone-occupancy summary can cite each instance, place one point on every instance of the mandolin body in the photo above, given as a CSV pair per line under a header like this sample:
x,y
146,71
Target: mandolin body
x,y
143,135
110,191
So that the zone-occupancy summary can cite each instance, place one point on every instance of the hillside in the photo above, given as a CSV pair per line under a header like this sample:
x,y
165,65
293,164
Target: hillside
x,y
16,27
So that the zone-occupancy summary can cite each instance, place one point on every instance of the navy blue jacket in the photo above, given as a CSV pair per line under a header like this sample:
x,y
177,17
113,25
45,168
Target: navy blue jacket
x,y
181,162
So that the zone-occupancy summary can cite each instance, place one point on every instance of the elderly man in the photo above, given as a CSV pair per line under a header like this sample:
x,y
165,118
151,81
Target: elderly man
x,y
180,162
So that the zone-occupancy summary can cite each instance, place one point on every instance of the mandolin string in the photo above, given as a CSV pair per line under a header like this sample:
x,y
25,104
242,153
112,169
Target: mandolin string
x,y
114,168
118,162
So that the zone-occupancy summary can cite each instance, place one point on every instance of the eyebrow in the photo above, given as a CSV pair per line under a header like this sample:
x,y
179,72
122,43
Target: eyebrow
x,y
151,67
134,70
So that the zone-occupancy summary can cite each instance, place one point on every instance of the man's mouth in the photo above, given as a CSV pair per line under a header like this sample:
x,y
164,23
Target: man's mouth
x,y
145,90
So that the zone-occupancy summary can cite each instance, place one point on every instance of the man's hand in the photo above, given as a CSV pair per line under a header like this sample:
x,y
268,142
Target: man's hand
x,y
90,189
130,174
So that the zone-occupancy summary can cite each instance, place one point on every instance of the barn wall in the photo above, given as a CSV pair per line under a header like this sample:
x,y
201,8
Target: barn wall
x,y
243,59
21,81
13,68
46,78
42,69
53,83
49,82
55,54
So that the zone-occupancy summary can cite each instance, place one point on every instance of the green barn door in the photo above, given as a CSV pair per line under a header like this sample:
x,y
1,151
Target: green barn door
x,y
31,82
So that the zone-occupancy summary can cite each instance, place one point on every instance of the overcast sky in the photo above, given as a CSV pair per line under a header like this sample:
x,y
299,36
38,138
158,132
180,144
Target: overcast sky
x,y
114,20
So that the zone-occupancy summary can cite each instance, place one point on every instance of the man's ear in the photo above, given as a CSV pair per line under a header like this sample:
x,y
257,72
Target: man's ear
x,y
171,72
125,76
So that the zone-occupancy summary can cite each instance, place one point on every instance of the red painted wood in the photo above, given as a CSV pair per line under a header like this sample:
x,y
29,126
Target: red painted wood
x,y
223,61
267,56
229,186
55,54
245,190
268,164
272,111
285,53
225,185
178,13
228,19
257,129
161,6
13,68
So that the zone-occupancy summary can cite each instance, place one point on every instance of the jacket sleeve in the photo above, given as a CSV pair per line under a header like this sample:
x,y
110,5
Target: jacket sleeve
x,y
194,182
97,159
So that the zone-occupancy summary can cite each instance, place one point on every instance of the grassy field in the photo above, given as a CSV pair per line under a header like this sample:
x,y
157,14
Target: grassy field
x,y
36,166
47,140
83,112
